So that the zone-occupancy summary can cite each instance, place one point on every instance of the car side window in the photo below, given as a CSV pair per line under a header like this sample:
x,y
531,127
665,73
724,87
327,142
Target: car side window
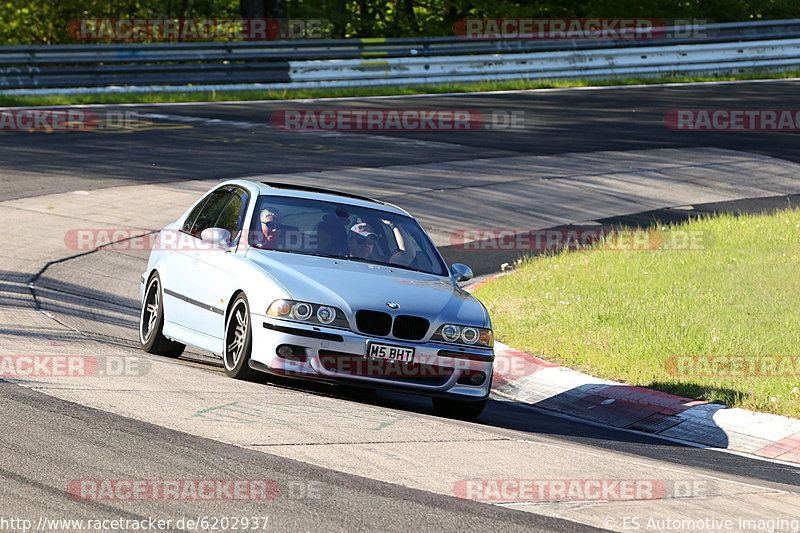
x,y
232,215
192,216
209,213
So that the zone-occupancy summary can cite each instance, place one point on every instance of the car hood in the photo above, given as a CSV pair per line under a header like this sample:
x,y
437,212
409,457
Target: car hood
x,y
353,285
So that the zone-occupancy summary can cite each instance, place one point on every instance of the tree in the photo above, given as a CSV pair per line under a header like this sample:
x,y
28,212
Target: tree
x,y
260,9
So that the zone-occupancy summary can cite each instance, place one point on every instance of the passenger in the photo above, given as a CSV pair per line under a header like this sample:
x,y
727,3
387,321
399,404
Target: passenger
x,y
405,254
362,242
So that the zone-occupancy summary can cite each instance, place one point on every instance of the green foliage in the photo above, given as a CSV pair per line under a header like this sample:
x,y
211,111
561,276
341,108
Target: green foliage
x,y
45,22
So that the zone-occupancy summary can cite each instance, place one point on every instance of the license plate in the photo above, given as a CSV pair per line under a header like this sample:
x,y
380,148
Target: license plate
x,y
391,353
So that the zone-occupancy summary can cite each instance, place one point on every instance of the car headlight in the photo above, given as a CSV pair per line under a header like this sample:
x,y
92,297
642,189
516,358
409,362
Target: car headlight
x,y
326,314
451,333
469,335
309,313
302,311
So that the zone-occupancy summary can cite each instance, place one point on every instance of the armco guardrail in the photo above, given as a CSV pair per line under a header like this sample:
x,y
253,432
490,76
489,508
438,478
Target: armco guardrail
x,y
663,60
351,62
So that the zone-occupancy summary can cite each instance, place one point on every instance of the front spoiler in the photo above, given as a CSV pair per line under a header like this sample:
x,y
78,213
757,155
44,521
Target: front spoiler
x,y
371,385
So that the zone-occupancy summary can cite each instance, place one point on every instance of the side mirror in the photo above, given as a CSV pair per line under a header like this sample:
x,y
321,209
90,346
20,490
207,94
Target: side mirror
x,y
461,272
216,236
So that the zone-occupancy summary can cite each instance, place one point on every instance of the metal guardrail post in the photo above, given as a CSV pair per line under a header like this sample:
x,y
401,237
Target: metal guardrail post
x,y
285,64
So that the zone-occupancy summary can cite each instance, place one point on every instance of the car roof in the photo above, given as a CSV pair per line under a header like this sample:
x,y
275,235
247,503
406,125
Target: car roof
x,y
271,188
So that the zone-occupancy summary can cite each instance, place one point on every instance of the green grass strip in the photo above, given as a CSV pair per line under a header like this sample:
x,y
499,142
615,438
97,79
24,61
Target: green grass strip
x,y
629,315
217,96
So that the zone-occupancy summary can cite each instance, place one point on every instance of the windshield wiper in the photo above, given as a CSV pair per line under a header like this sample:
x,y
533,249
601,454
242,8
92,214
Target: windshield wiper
x,y
298,252
362,260
393,265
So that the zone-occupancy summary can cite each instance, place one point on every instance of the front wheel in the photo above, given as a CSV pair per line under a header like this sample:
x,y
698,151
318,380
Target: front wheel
x,y
238,340
459,409
151,323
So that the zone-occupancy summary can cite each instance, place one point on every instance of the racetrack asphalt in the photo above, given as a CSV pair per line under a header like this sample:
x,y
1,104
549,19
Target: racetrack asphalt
x,y
161,151
555,123
77,442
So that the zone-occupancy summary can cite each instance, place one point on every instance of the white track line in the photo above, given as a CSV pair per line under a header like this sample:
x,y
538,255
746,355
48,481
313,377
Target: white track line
x,y
426,95
318,133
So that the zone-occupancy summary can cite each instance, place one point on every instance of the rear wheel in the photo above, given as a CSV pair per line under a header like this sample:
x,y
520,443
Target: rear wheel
x,y
151,322
459,409
238,340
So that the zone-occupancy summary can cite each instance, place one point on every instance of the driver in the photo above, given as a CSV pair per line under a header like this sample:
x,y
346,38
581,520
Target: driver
x,y
270,229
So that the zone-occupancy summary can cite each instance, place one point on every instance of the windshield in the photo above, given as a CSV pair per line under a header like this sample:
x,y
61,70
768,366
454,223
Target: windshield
x,y
299,225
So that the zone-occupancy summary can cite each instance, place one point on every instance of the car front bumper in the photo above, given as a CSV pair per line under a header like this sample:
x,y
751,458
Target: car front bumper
x,y
339,355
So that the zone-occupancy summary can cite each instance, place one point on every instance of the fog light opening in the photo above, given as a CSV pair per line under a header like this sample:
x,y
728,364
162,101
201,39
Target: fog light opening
x,y
289,351
471,377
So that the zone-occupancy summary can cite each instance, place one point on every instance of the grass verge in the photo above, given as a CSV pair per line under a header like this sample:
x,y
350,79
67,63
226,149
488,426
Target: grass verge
x,y
629,315
219,96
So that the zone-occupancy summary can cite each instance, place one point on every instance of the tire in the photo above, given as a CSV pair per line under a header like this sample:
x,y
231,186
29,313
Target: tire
x,y
238,340
151,322
459,409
